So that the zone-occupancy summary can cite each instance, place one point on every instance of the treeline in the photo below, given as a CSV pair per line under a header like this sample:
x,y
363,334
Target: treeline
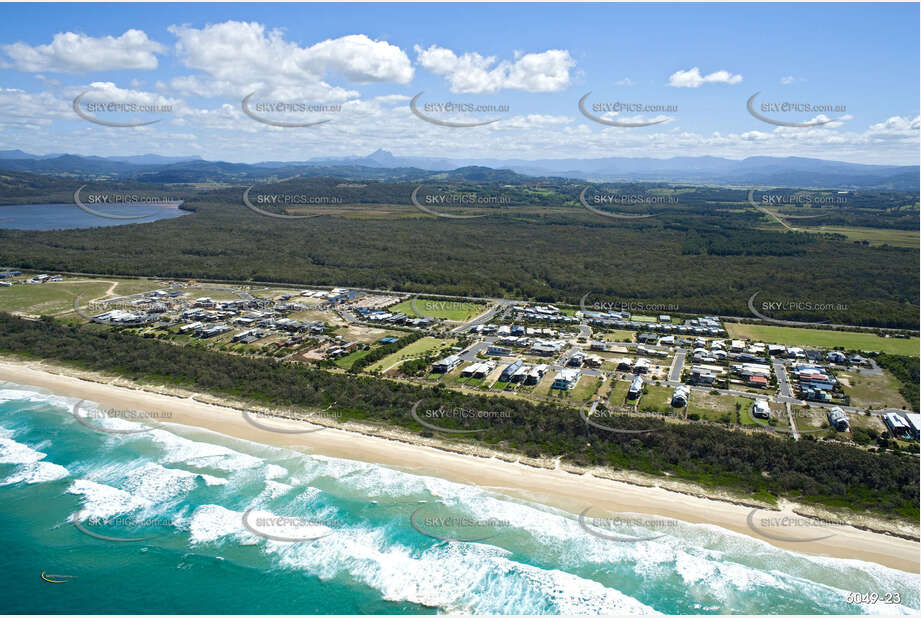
x,y
385,350
812,471
702,263
907,370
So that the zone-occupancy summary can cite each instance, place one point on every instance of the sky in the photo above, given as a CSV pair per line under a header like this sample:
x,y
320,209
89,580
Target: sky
x,y
689,68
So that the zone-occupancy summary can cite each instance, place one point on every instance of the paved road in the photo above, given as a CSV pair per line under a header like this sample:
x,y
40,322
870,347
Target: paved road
x,y
783,383
674,376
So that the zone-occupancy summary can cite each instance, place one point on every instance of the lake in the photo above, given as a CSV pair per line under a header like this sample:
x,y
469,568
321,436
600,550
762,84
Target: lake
x,y
71,217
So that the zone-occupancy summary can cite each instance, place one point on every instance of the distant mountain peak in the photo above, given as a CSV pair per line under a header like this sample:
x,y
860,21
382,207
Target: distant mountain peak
x,y
381,156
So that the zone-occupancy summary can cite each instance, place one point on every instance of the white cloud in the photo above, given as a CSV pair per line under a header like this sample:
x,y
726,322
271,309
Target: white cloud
x,y
624,82
693,79
472,73
241,57
77,53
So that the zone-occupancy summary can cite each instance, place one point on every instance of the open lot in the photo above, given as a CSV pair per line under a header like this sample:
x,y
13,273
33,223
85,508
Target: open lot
x,y
455,311
867,390
813,337
58,297
413,350
876,236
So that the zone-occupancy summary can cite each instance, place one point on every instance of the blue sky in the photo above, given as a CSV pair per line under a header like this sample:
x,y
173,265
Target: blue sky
x,y
701,62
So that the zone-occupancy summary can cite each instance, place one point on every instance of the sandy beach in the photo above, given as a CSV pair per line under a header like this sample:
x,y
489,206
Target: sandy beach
x,y
556,487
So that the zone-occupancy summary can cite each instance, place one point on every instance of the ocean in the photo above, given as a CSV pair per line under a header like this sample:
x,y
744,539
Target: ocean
x,y
183,520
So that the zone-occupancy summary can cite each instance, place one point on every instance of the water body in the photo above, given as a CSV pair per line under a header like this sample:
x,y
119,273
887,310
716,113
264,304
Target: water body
x,y
195,485
72,217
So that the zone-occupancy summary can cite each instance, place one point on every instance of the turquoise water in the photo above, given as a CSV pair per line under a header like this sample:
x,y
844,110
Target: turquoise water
x,y
187,493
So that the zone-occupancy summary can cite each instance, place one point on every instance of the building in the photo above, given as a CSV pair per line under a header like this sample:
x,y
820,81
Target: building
x,y
914,424
636,388
758,381
446,364
567,379
509,371
761,409
536,373
495,350
680,396
836,357
838,419
898,427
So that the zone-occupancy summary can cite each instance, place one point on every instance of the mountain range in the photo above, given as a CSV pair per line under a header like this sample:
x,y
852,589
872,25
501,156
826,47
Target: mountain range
x,y
382,164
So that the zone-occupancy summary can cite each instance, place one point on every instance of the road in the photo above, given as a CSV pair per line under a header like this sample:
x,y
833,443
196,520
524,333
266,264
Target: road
x,y
674,376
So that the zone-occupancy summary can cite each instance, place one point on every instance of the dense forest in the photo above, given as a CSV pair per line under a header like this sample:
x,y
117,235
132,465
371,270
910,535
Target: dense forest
x,y
707,253
760,465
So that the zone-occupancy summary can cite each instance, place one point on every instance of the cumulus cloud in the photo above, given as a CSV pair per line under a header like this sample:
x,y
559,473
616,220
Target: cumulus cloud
x,y
77,53
692,78
473,73
239,57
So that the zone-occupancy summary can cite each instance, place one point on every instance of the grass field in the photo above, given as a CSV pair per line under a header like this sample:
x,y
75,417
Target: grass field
x,y
413,350
347,361
456,311
55,298
876,391
619,335
786,335
876,236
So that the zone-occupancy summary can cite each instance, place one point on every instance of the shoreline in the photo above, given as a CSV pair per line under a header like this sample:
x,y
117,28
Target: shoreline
x,y
564,487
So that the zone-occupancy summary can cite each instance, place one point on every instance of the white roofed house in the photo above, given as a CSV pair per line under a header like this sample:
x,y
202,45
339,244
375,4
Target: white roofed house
x,y
838,419
636,388
681,396
446,364
761,409
567,379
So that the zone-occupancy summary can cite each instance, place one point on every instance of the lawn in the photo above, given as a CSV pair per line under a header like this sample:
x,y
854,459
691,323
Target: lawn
x,y
657,399
455,311
347,361
618,393
413,350
790,336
